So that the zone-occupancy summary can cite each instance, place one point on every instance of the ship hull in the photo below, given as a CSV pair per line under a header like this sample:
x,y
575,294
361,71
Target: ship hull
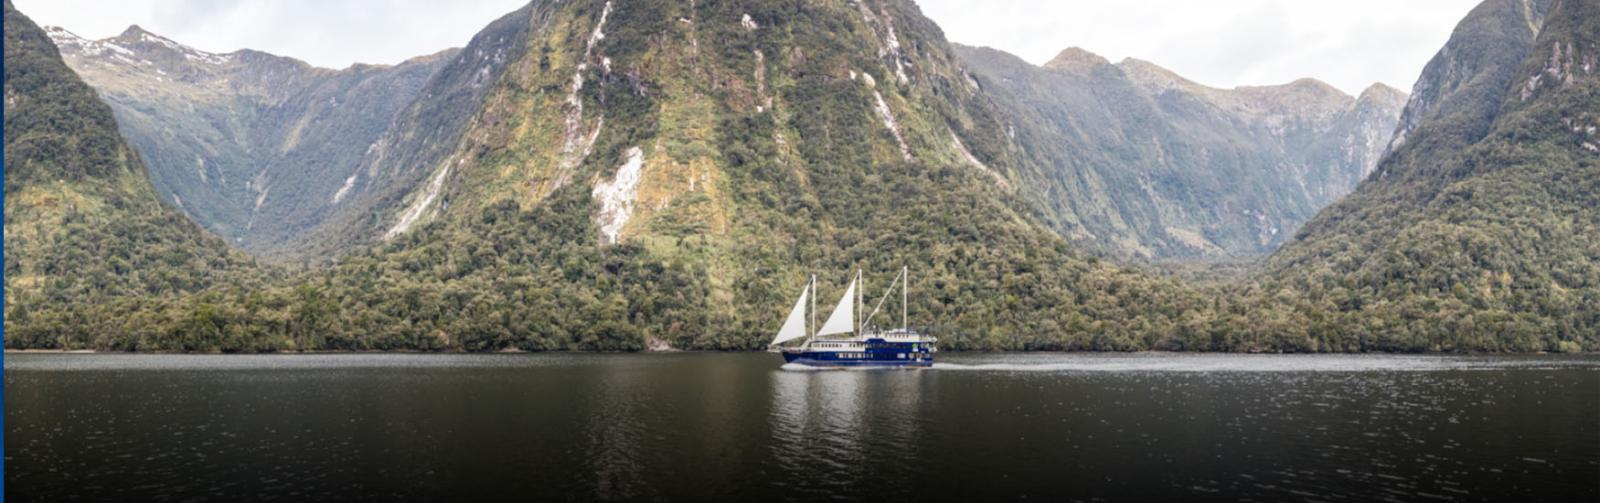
x,y
800,359
872,353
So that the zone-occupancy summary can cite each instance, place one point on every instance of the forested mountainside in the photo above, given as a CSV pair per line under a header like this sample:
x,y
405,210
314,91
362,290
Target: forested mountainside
x,y
421,136
255,147
594,175
1140,162
612,175
285,159
1480,229
677,168
83,226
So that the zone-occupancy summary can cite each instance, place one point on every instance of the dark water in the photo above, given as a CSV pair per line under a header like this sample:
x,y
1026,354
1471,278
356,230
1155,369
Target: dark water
x,y
692,427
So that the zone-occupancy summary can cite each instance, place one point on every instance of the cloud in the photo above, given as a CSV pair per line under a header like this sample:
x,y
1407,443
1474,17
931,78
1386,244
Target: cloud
x,y
1348,43
325,33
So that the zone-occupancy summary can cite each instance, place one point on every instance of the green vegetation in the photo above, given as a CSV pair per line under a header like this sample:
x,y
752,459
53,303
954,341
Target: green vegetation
x,y
83,225
1479,232
1134,161
252,146
775,148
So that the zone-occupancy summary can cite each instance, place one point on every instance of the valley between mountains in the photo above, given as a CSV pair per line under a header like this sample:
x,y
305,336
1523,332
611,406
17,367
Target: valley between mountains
x,y
643,174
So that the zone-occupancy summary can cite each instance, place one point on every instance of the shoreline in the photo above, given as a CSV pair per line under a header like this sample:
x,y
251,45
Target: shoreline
x,y
10,351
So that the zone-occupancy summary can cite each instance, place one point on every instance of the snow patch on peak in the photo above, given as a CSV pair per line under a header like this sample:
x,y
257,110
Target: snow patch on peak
x,y
206,57
617,197
162,41
109,48
63,38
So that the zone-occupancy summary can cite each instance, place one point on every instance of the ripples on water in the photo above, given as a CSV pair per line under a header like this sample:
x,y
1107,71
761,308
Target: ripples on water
x,y
735,426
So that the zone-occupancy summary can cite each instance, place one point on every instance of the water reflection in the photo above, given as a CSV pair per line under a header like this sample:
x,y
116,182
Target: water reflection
x,y
845,430
731,427
614,432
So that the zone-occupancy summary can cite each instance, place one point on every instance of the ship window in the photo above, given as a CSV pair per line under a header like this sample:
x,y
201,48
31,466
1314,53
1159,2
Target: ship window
x,y
902,356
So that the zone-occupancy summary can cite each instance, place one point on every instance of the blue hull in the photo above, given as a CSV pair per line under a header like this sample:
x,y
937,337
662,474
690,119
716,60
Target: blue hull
x,y
800,359
876,353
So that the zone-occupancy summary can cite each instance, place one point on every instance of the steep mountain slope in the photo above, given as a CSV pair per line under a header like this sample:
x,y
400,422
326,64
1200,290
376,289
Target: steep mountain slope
x,y
422,134
646,173
1141,162
1479,229
255,147
83,225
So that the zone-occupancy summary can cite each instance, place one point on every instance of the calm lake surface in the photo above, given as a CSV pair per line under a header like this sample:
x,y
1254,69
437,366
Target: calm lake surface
x,y
689,427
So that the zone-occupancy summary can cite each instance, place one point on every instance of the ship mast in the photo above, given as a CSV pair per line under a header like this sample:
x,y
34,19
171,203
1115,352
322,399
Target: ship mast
x,y
905,296
860,304
813,328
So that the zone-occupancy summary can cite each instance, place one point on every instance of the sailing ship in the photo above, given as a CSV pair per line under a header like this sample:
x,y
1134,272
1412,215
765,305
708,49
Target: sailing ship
x,y
846,340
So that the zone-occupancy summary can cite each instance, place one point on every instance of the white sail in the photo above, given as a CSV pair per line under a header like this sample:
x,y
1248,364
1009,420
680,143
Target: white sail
x,y
842,321
897,282
794,327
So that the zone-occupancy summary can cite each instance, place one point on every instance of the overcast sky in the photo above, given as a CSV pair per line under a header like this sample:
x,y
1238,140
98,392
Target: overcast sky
x,y
1347,43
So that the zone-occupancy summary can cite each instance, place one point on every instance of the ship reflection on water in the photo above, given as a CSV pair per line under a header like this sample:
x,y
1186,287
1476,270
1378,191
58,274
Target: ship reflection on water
x,y
841,430
733,427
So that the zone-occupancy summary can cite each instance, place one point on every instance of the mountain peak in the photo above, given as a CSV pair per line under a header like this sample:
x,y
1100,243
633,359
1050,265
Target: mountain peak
x,y
134,31
1310,83
1303,90
61,36
136,34
1076,59
1383,92
134,46
1150,75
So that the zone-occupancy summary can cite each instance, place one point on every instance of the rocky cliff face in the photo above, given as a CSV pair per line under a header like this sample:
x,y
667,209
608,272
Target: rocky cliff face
x,y
1484,213
1463,83
253,146
723,148
1141,162
554,98
83,225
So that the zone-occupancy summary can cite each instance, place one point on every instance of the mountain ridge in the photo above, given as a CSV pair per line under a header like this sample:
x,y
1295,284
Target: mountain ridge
x,y
1143,163
616,149
1477,229
239,140
85,232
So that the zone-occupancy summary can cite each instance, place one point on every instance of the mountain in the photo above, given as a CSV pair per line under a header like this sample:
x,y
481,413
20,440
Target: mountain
x,y
1140,162
1478,229
419,139
255,147
285,159
84,227
613,175
623,175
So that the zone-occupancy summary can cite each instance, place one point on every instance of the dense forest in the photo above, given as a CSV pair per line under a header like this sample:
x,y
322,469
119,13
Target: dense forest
x,y
83,227
1141,162
1479,230
775,153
